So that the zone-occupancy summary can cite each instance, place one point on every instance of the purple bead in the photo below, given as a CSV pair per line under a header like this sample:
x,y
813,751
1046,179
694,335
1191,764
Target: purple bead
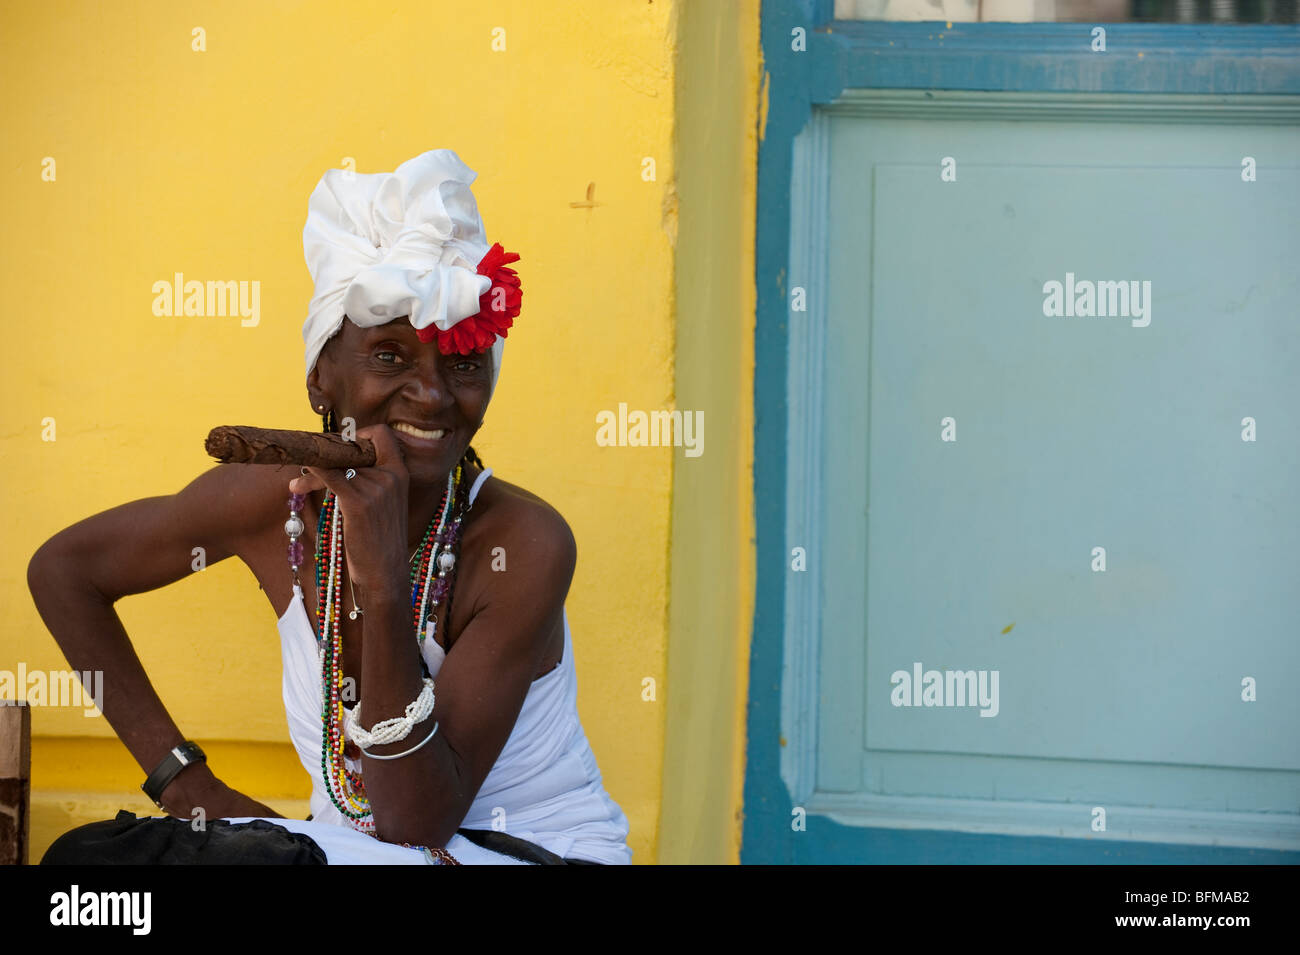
x,y
296,501
295,553
440,588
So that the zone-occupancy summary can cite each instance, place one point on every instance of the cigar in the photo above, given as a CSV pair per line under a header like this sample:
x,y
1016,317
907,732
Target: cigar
x,y
239,444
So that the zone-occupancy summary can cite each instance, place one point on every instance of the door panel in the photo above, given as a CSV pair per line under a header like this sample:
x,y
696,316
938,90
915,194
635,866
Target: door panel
x,y
1071,433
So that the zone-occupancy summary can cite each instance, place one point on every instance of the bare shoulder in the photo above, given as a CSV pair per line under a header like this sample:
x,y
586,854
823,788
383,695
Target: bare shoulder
x,y
254,498
520,557
526,526
249,496
240,507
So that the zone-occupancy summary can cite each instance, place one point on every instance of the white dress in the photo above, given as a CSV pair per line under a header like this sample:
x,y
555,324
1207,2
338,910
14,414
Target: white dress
x,y
544,787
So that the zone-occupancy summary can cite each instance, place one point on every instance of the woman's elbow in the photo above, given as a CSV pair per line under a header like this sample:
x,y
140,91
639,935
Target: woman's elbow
x,y
45,566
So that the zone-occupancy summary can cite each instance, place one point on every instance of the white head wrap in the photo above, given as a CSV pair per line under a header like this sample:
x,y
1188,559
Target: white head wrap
x,y
397,243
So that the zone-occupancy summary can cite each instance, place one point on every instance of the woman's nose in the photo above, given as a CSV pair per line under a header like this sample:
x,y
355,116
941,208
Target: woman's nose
x,y
430,385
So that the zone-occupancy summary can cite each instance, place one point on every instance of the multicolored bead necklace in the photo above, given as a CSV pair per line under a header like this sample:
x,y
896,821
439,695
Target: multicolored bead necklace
x,y
345,786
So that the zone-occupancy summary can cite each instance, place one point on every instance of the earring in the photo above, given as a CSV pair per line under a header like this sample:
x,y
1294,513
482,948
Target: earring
x,y
328,424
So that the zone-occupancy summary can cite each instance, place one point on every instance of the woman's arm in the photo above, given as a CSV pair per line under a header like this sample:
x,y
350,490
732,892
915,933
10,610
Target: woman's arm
x,y
422,798
78,575
480,689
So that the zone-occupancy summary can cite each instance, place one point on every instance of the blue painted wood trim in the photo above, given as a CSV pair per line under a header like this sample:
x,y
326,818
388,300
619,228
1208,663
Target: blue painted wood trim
x,y
829,843
1024,57
1030,57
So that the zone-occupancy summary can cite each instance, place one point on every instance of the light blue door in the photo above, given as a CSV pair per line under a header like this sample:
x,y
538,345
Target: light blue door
x,y
1037,502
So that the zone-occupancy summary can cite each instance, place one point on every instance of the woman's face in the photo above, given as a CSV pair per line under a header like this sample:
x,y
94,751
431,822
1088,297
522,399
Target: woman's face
x,y
386,375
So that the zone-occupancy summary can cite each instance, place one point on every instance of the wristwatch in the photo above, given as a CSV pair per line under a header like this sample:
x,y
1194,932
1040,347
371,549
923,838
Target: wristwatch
x,y
180,757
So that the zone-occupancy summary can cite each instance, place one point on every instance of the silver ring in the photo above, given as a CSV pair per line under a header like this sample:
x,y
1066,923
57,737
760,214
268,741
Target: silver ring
x,y
352,472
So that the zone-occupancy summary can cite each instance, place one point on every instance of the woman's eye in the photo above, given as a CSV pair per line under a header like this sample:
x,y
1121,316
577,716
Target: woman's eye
x,y
380,356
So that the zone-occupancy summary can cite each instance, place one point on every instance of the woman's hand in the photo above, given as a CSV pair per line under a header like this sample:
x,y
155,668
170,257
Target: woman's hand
x,y
374,505
203,790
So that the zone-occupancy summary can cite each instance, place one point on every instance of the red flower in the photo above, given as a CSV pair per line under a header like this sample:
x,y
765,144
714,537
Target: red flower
x,y
498,309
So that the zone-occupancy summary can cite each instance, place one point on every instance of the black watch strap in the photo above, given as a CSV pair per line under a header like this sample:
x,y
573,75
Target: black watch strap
x,y
180,757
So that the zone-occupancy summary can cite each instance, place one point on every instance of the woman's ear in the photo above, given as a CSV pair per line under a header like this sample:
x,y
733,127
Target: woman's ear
x,y
319,402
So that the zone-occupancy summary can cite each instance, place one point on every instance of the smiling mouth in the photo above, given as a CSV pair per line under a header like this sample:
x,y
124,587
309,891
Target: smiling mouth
x,y
419,438
415,432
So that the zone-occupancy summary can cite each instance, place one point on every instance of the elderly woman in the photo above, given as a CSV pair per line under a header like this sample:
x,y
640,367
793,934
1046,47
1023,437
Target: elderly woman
x,y
433,702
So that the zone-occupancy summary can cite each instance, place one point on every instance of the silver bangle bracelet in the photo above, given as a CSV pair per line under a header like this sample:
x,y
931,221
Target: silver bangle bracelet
x,y
409,751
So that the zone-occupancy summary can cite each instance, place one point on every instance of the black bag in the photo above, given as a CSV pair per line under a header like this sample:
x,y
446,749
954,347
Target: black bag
x,y
127,840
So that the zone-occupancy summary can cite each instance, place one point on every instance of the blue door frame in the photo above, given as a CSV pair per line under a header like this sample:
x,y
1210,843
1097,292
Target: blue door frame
x,y
840,55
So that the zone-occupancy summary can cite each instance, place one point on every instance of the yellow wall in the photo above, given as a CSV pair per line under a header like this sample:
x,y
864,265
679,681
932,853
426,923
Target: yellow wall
x,y
171,160
712,580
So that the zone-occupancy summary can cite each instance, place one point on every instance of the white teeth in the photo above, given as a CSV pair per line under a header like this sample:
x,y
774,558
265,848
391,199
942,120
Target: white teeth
x,y
411,429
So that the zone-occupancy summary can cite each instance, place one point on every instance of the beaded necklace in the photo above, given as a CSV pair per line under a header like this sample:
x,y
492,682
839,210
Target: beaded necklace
x,y
345,786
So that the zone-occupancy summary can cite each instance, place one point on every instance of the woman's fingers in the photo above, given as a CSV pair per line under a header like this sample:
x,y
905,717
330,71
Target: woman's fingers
x,y
308,482
335,479
388,455
373,508
388,450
